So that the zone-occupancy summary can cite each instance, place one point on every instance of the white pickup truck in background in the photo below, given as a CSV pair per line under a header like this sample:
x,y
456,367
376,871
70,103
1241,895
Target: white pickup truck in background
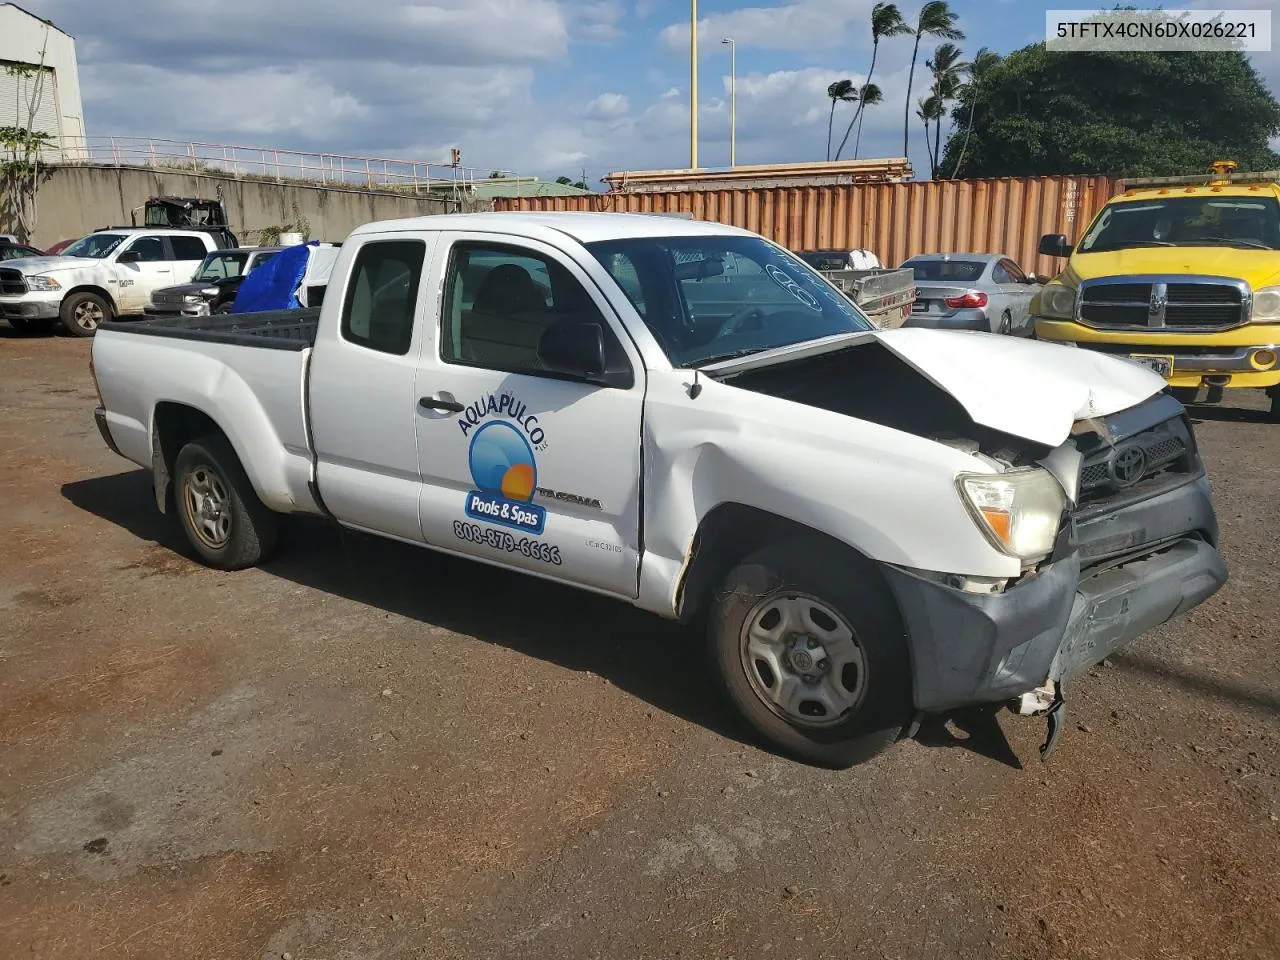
x,y
684,416
107,274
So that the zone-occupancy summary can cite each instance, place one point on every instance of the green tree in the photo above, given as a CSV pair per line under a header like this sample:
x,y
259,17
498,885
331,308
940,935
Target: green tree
x,y
839,92
1038,113
23,148
886,21
570,182
936,20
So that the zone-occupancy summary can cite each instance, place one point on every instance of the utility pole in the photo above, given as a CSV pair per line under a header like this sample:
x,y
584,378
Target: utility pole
x,y
693,85
733,101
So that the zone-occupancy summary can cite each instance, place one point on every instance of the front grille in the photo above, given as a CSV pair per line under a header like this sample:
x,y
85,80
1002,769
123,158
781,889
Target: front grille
x,y
1159,304
167,298
12,282
1138,465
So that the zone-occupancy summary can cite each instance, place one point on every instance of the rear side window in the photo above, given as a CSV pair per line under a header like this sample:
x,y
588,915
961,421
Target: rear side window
x,y
378,312
188,248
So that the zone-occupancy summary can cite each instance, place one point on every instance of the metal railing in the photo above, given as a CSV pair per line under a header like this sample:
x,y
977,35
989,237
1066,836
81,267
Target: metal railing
x,y
271,163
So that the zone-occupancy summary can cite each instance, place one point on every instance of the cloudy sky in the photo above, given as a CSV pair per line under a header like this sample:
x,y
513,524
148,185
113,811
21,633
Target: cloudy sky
x,y
535,86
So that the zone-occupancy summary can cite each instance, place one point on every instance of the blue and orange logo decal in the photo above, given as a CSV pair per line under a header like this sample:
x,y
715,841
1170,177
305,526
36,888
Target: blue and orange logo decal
x,y
506,476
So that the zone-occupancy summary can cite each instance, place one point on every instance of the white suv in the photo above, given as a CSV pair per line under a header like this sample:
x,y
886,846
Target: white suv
x,y
107,274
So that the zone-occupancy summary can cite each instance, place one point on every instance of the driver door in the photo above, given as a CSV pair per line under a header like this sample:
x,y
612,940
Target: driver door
x,y
138,279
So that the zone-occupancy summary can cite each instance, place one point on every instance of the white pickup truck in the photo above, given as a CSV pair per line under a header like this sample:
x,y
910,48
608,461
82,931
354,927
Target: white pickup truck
x,y
107,274
872,524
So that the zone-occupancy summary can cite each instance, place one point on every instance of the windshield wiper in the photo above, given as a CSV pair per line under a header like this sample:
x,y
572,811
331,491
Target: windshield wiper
x,y
1106,247
731,355
1232,242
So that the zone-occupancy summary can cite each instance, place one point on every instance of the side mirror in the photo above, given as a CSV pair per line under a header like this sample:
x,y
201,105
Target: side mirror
x,y
1055,245
576,349
129,256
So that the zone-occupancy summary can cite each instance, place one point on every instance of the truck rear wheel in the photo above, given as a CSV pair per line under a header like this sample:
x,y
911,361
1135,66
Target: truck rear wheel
x,y
812,653
220,513
82,313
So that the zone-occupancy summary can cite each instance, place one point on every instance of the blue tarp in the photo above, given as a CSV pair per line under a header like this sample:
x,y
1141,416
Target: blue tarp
x,y
274,285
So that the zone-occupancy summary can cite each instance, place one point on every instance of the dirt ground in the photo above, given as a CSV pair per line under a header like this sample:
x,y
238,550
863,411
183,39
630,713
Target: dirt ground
x,y
369,751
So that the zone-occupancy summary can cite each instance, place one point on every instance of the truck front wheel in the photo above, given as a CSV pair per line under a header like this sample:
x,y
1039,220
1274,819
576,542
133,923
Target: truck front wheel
x,y
83,313
224,520
810,649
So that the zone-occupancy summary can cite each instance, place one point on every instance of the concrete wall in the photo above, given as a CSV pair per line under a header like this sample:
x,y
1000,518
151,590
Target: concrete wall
x,y
78,199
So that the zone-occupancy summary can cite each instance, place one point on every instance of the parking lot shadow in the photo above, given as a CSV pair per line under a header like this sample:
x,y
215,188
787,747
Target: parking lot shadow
x,y
653,659
656,660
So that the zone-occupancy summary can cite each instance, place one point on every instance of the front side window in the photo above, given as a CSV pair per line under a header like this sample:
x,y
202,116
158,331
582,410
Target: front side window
x,y
500,300
95,246
1000,275
1014,271
149,249
381,296
221,266
1244,222
709,298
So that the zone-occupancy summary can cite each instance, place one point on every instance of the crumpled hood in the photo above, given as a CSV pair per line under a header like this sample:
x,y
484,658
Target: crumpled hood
x,y
1025,388
33,265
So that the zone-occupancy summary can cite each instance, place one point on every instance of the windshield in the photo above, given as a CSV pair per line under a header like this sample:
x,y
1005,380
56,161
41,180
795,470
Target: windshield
x,y
95,246
965,271
1246,222
716,297
221,266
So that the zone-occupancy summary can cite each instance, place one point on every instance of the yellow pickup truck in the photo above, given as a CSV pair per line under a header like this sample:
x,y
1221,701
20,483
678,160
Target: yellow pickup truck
x,y
1181,274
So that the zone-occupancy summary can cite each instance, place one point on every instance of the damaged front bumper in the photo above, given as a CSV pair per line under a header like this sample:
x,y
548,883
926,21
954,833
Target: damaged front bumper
x,y
969,648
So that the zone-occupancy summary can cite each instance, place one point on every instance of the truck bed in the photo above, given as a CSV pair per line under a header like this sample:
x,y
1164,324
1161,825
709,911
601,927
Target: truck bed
x,y
273,329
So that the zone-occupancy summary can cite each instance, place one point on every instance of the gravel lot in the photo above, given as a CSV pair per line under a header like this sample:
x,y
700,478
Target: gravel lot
x,y
368,751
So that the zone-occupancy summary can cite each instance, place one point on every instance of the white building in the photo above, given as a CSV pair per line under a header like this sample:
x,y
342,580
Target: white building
x,y
39,82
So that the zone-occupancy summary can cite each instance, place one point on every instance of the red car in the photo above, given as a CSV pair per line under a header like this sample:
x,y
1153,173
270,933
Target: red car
x,y
58,247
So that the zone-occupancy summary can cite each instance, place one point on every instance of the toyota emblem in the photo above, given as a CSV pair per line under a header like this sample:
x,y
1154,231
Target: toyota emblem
x,y
1128,465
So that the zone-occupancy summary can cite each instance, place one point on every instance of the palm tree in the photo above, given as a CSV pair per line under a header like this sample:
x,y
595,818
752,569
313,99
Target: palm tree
x,y
871,95
929,109
886,21
946,66
978,72
841,90
936,20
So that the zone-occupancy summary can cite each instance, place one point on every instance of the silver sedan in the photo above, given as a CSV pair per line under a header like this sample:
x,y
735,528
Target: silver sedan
x,y
972,291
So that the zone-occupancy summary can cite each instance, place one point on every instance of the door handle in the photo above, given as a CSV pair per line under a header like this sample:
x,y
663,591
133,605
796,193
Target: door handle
x,y
441,405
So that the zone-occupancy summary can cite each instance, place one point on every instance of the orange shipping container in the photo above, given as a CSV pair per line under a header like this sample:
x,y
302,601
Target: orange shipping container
x,y
895,220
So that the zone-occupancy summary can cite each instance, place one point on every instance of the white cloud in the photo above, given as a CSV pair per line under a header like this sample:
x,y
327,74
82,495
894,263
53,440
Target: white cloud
x,y
596,21
607,106
803,25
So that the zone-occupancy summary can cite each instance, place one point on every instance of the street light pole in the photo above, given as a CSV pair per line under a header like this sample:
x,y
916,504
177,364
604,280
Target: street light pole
x,y
693,84
733,101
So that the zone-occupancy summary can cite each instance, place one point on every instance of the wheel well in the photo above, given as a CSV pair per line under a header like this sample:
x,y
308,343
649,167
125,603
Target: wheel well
x,y
174,426
88,288
732,531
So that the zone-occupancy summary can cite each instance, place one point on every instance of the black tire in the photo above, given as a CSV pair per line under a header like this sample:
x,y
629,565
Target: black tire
x,y
251,531
223,307
1274,393
81,313
1006,324
1185,395
848,587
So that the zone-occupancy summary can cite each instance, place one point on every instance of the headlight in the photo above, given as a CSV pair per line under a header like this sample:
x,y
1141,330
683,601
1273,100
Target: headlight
x,y
43,283
1020,511
192,298
1058,302
1266,305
